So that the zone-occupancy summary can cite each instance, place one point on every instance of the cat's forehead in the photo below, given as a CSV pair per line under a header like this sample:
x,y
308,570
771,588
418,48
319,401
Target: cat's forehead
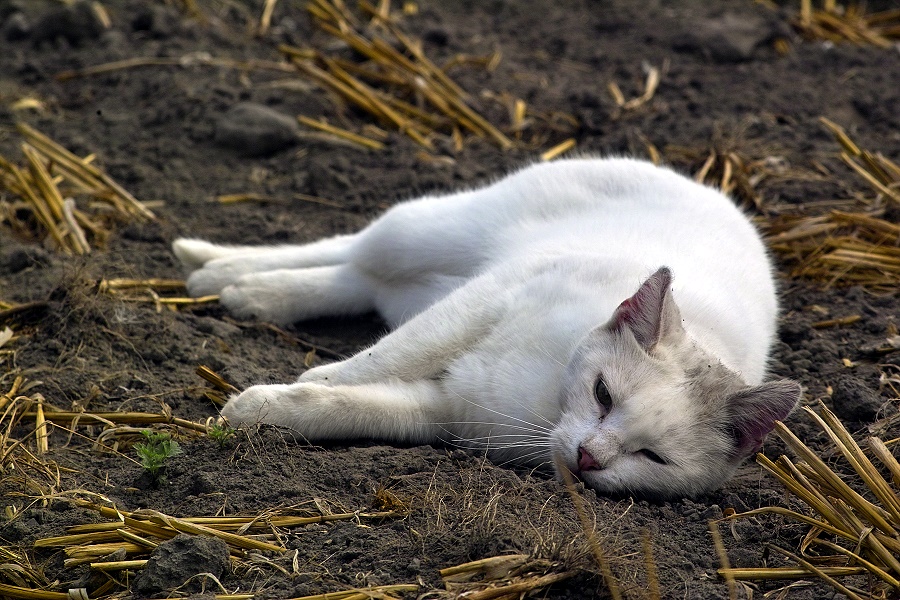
x,y
619,360
656,405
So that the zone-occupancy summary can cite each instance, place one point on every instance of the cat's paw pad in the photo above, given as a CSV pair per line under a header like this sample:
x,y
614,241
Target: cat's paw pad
x,y
257,404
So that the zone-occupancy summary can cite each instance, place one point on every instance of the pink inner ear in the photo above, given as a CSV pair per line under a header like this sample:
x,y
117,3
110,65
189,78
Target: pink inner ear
x,y
642,312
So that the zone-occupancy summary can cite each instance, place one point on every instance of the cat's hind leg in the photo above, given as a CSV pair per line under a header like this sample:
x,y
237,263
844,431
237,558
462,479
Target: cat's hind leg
x,y
214,267
286,296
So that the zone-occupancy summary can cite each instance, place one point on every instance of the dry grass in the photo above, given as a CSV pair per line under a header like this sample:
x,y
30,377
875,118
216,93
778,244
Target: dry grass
x,y
390,78
733,163
139,532
508,576
854,518
726,168
650,86
847,247
22,462
403,89
43,191
848,23
134,535
163,293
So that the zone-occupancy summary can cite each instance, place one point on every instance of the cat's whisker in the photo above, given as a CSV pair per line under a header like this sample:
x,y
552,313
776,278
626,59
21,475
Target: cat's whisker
x,y
470,445
501,445
549,355
538,432
505,416
535,413
492,436
523,458
521,440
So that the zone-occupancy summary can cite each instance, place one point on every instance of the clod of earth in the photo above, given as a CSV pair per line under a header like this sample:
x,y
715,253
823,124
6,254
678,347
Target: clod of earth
x,y
182,563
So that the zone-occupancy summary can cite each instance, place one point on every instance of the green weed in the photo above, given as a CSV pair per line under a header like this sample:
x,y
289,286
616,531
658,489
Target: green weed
x,y
221,434
155,451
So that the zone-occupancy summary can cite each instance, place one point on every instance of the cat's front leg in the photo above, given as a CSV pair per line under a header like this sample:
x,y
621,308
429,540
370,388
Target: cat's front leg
x,y
390,410
423,347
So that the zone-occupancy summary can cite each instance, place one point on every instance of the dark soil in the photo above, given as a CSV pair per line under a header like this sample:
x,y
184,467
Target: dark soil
x,y
158,132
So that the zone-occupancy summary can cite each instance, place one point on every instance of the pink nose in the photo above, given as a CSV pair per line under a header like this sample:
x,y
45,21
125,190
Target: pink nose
x,y
586,462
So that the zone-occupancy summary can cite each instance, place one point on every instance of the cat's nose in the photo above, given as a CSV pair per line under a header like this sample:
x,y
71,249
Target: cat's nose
x,y
586,462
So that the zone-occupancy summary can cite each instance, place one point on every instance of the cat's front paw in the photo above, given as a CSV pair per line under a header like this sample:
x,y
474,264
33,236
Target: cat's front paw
x,y
257,404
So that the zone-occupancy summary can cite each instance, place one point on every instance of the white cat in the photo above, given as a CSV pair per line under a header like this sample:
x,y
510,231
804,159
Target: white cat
x,y
604,315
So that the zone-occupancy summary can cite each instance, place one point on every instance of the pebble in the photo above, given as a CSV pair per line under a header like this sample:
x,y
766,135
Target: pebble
x,y
855,401
175,561
729,38
256,130
159,21
20,259
16,28
217,327
76,23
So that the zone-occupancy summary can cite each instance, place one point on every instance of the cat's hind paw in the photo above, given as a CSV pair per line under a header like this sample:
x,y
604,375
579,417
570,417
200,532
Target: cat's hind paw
x,y
260,297
193,254
214,276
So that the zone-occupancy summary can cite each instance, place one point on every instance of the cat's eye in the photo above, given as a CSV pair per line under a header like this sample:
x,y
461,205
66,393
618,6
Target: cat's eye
x,y
650,454
602,395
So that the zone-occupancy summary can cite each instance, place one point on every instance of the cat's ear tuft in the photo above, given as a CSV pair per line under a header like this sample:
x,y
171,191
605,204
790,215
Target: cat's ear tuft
x,y
651,313
754,411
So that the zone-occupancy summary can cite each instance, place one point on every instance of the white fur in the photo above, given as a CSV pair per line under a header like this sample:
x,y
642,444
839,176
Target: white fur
x,y
496,293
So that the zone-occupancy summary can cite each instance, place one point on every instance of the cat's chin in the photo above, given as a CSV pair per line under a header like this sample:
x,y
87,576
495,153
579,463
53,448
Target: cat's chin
x,y
611,487
610,483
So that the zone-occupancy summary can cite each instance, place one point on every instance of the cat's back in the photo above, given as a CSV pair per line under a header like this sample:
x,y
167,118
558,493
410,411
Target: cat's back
x,y
586,184
621,205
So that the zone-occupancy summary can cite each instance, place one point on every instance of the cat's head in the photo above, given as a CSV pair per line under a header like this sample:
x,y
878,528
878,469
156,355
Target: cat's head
x,y
648,412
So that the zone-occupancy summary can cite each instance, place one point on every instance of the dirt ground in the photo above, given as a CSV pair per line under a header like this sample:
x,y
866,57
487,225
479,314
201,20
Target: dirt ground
x,y
162,132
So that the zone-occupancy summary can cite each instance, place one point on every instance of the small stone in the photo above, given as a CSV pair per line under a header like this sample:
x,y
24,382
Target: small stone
x,y
711,513
256,130
854,401
175,561
16,28
149,231
76,22
158,20
735,502
22,258
11,7
727,39
216,327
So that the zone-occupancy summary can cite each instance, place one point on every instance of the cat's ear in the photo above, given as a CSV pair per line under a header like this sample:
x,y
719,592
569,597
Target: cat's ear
x,y
755,409
651,314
